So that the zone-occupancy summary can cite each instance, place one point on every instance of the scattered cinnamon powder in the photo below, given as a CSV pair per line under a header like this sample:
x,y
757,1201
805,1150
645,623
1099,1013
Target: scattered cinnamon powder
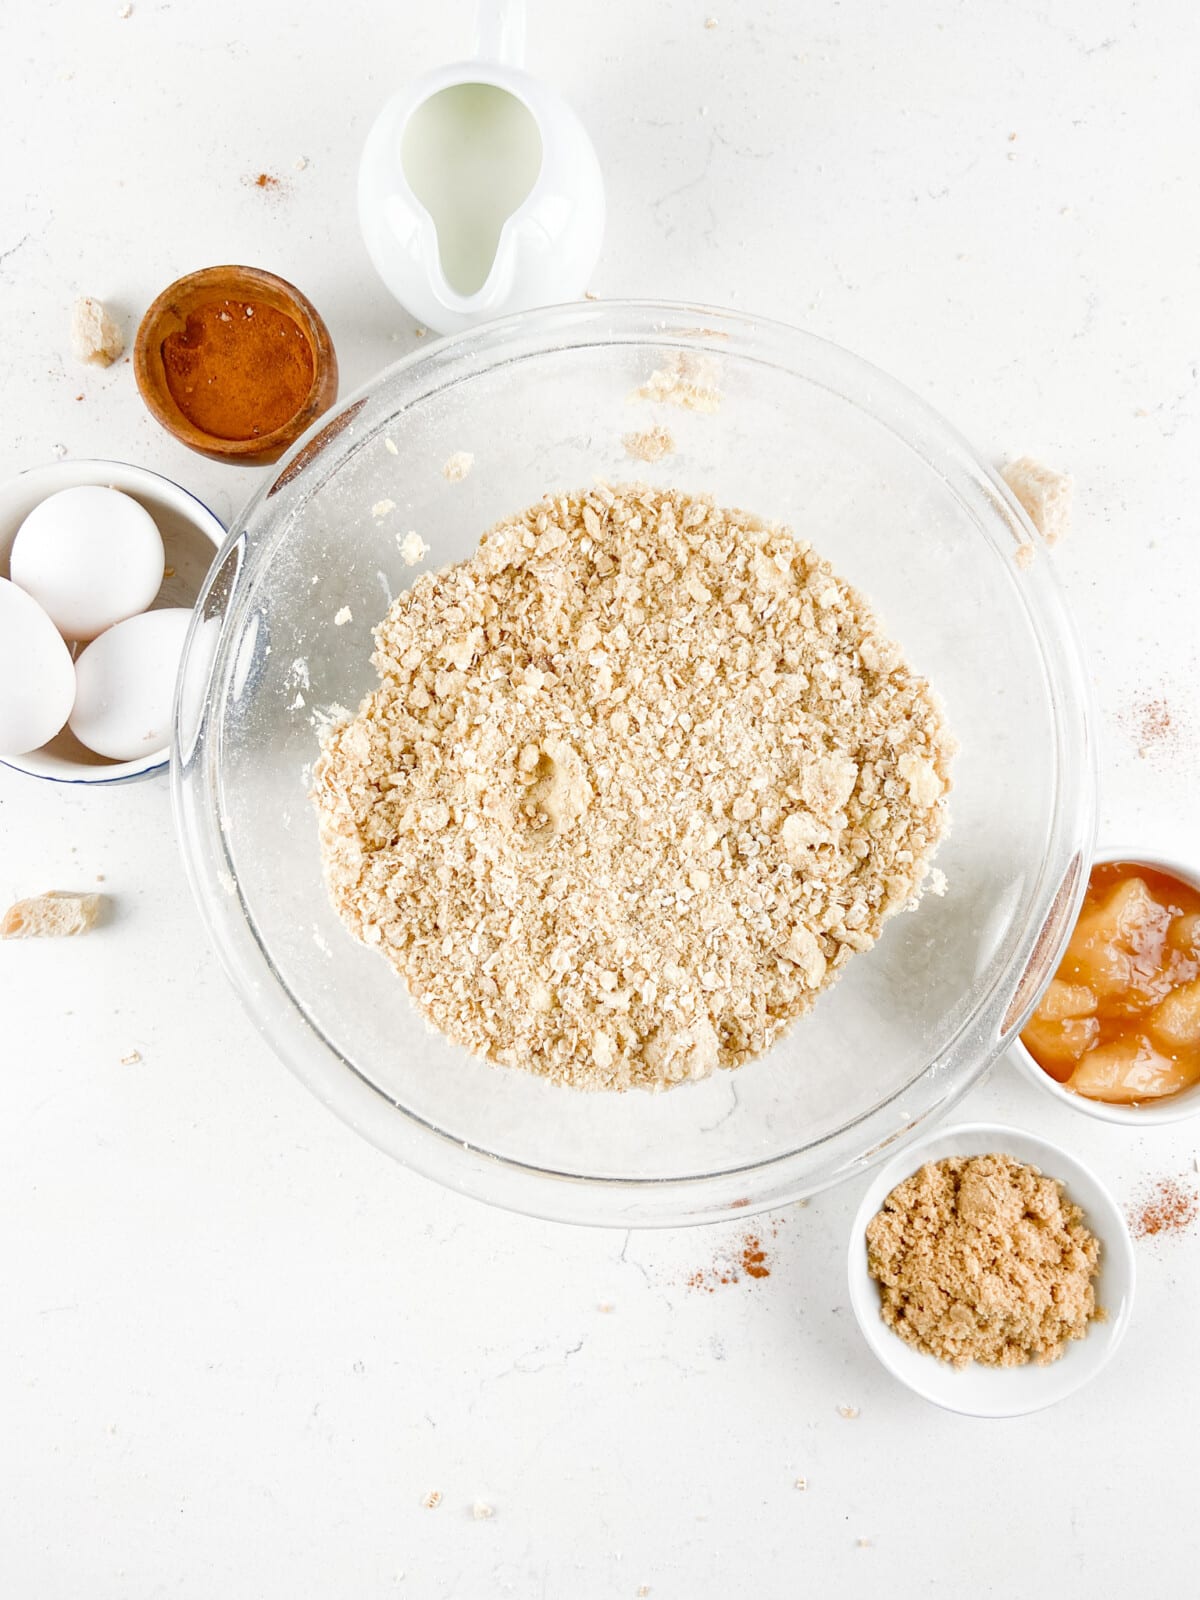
x,y
754,1258
748,1260
1156,719
981,1258
265,180
1169,1208
1154,725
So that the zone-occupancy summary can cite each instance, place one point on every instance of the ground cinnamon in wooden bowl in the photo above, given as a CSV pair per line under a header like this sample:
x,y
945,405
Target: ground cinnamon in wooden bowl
x,y
235,362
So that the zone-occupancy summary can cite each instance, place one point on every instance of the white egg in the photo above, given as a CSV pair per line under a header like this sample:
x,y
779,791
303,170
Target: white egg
x,y
37,675
90,557
126,685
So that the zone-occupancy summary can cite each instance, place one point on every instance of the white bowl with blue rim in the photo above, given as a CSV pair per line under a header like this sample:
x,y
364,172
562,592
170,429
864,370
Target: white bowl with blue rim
x,y
975,1390
191,536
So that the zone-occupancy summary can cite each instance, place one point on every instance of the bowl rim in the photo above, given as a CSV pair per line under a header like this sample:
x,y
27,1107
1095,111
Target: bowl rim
x,y
1111,1228
1151,1113
202,517
1057,886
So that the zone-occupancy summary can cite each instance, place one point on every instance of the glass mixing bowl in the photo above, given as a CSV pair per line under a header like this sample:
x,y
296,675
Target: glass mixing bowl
x,y
804,434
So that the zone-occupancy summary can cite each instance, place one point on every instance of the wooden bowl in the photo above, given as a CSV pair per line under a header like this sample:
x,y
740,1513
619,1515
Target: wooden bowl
x,y
169,314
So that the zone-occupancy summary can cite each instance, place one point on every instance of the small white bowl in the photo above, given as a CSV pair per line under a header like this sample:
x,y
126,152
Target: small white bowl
x,y
191,536
1172,1107
978,1391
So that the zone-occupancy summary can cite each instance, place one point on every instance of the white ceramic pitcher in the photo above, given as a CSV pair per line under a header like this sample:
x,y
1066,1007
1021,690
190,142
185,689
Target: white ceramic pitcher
x,y
479,192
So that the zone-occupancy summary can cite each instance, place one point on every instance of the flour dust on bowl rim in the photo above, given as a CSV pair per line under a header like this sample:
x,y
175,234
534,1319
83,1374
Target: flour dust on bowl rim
x,y
804,434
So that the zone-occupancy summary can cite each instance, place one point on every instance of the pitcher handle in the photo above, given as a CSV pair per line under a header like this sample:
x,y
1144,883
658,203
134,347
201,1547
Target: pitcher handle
x,y
500,31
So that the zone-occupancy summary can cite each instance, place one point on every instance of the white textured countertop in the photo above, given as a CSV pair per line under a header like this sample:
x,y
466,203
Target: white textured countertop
x,y
239,1347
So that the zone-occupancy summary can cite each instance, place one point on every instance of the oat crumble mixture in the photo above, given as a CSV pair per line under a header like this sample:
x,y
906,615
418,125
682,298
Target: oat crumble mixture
x,y
639,778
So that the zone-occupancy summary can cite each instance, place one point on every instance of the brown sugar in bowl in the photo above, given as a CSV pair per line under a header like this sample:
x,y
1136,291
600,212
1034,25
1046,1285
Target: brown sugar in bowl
x,y
226,390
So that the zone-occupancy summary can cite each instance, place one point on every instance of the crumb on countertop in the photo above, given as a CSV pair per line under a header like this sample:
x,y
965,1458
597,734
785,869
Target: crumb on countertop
x,y
1045,496
458,466
57,914
96,337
